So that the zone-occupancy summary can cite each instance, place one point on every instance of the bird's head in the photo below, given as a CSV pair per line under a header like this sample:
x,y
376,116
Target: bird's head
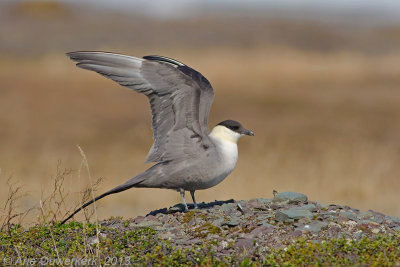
x,y
230,130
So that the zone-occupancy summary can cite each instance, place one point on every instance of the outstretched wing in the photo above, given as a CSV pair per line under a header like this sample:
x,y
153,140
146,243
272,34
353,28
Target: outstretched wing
x,y
180,99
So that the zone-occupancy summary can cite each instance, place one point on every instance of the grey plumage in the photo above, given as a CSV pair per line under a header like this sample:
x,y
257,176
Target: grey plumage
x,y
187,156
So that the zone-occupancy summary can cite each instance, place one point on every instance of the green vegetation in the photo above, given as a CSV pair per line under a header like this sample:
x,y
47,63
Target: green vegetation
x,y
382,251
63,244
205,229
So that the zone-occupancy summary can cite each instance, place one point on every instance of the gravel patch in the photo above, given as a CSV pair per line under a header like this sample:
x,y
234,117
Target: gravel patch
x,y
258,224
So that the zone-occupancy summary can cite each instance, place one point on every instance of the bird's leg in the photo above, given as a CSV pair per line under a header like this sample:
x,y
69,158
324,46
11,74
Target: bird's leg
x,y
194,200
182,192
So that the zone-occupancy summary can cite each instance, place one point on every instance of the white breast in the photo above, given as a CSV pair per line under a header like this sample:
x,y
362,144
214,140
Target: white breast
x,y
228,154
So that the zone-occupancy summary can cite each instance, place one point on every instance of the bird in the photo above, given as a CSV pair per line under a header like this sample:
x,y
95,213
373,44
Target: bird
x,y
186,155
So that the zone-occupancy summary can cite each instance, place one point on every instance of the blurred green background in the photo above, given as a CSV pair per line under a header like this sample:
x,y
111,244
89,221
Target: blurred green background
x,y
318,84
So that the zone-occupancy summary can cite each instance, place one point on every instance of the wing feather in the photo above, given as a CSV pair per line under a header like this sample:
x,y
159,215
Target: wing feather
x,y
180,99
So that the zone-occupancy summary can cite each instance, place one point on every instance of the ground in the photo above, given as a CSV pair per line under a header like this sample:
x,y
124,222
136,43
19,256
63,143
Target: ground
x,y
286,230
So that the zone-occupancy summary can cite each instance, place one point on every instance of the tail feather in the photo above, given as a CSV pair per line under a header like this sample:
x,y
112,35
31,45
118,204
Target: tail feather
x,y
129,184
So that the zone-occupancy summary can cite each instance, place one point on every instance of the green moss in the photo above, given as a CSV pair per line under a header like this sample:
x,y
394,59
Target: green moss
x,y
205,229
188,216
193,214
122,246
382,251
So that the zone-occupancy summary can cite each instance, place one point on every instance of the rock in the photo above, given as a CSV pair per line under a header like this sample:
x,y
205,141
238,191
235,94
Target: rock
x,y
218,222
315,226
139,219
176,208
310,207
227,207
262,223
292,213
322,205
147,224
244,243
366,215
393,219
233,222
349,215
260,230
262,219
282,217
151,218
195,241
290,197
167,235
265,200
297,233
270,226
276,206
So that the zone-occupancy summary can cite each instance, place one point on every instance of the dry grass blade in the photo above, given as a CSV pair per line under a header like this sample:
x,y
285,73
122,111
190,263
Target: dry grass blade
x,y
55,205
86,164
9,210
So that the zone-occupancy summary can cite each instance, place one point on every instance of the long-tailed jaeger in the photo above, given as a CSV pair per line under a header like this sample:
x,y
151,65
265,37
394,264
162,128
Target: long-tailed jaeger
x,y
187,156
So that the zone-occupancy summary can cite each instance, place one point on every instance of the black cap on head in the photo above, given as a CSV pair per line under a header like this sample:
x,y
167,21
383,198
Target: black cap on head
x,y
236,127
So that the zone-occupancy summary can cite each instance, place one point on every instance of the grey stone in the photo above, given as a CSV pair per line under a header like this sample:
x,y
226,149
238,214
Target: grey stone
x,y
322,205
148,224
290,197
297,233
267,225
310,207
298,213
167,235
227,207
244,243
265,200
276,206
260,230
264,217
316,226
292,213
393,219
233,222
195,241
175,209
304,220
367,222
366,215
282,217
139,219
349,215
218,222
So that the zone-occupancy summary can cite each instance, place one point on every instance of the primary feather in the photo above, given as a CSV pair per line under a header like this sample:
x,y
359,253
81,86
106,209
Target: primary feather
x,y
180,99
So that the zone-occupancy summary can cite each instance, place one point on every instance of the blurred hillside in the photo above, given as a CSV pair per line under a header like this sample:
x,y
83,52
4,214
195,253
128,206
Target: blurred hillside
x,y
41,27
322,96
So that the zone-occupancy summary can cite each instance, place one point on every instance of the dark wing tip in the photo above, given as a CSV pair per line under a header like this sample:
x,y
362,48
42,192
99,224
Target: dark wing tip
x,y
72,55
77,55
164,59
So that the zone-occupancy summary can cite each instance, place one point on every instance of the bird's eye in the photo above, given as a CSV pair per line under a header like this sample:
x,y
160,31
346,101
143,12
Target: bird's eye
x,y
235,128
